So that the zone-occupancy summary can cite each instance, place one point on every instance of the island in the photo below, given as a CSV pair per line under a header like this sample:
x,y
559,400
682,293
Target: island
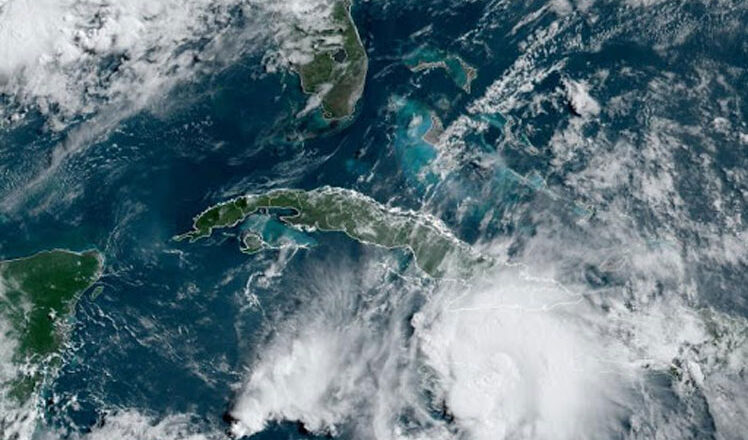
x,y
435,249
337,69
435,131
37,297
428,58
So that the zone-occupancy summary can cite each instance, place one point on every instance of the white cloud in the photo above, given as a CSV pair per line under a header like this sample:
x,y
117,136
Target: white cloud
x,y
512,355
577,92
513,361
72,57
76,57
132,425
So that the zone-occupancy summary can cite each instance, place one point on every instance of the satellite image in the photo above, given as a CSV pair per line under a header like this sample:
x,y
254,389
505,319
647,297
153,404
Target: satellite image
x,y
373,219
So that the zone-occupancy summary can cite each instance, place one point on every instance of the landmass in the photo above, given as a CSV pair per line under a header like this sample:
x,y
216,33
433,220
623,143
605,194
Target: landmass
x,y
435,249
37,296
435,131
427,58
337,70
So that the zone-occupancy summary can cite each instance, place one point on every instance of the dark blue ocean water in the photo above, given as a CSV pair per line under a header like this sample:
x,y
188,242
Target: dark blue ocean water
x,y
168,334
171,330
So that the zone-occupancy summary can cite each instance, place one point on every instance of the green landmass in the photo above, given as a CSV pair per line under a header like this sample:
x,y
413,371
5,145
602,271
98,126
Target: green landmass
x,y
337,71
435,249
37,295
252,243
427,58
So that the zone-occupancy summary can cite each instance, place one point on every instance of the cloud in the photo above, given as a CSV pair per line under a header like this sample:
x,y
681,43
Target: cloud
x,y
510,356
68,58
579,98
513,354
87,65
514,359
131,424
